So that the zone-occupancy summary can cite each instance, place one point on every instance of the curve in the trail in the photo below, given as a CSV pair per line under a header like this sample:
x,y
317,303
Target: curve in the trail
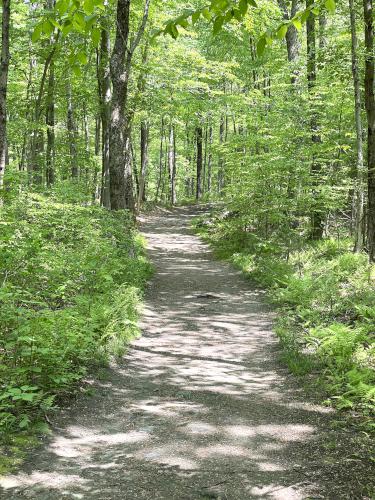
x,y
198,408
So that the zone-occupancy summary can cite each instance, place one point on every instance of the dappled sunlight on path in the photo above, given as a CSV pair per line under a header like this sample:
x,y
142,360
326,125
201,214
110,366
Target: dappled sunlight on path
x,y
198,408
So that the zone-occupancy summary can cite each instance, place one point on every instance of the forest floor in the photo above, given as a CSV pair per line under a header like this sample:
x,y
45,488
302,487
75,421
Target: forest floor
x,y
200,407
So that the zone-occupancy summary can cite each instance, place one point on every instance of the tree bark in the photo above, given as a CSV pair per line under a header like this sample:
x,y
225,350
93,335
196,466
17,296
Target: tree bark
x,y
72,135
121,183
50,122
220,175
104,86
144,162
209,159
172,164
199,139
359,183
317,220
370,112
4,67
161,163
37,139
293,45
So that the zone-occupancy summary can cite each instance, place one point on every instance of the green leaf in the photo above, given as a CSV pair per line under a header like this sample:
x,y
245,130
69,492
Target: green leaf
x,y
77,70
195,17
206,14
183,22
47,27
36,33
330,5
82,57
242,6
218,23
305,15
252,3
88,6
281,32
95,36
261,45
67,27
297,24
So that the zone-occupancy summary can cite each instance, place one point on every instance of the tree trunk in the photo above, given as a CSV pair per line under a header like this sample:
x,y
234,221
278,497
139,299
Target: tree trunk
x,y
72,135
199,138
370,111
209,160
121,183
144,163
220,175
37,139
359,184
50,122
144,134
161,151
317,220
172,164
104,85
4,66
292,39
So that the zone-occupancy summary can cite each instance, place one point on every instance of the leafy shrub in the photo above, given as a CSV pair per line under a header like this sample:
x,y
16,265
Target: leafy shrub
x,y
326,296
71,279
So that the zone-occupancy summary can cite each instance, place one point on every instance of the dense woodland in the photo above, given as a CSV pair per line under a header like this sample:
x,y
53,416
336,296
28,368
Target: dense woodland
x,y
265,109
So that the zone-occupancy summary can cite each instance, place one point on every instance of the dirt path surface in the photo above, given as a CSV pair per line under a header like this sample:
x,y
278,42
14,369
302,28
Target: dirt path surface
x,y
199,408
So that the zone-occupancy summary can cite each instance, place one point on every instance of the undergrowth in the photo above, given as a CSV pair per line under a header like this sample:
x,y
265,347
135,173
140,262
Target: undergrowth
x,y
71,277
326,299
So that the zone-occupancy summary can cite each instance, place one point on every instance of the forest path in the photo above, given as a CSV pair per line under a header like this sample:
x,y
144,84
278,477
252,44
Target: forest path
x,y
199,407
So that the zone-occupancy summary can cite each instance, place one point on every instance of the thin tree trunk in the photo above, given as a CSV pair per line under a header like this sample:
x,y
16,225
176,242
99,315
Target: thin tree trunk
x,y
104,85
317,221
50,122
172,164
209,160
72,135
4,66
144,162
160,159
144,134
220,162
370,111
359,194
37,138
199,137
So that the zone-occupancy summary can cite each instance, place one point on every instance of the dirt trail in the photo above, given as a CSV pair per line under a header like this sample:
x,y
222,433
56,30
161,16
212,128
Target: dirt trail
x,y
199,407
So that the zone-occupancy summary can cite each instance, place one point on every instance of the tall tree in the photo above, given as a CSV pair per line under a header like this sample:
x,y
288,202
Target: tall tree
x,y
370,111
199,139
317,221
121,185
359,194
4,66
104,87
